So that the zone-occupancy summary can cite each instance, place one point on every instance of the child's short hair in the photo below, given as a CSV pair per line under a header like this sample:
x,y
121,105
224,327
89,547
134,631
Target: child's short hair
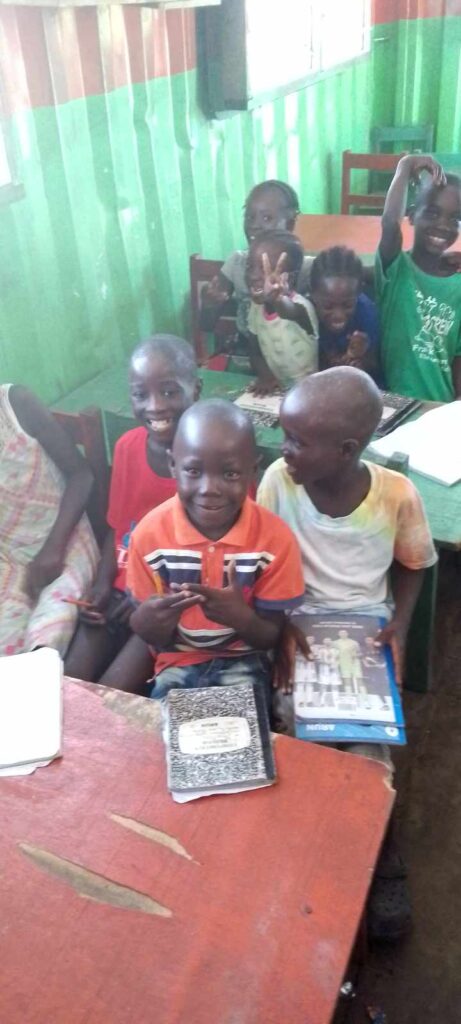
x,y
286,242
178,351
288,193
339,261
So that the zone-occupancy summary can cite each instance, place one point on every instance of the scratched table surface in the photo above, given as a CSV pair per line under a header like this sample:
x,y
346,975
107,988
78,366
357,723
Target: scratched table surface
x,y
109,391
118,906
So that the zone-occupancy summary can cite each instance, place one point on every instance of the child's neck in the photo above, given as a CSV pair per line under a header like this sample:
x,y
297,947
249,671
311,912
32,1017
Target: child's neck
x,y
433,264
341,495
157,457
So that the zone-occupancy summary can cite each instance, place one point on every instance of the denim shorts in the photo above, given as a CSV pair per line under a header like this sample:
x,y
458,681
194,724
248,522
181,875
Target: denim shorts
x,y
216,672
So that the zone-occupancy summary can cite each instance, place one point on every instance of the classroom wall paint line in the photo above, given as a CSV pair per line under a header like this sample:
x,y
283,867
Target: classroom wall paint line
x,y
124,175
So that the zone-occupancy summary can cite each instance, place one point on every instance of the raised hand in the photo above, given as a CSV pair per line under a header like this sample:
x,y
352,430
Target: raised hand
x,y
417,163
275,283
214,293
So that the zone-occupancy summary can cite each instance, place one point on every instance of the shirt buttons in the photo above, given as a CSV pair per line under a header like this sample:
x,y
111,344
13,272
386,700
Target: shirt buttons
x,y
211,549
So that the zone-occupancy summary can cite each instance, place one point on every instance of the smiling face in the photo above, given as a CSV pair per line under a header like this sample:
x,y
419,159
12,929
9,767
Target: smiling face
x,y
214,463
335,300
436,220
159,395
266,210
311,451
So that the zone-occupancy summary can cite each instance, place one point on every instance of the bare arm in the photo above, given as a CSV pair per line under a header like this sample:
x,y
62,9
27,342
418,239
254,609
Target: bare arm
x,y
38,421
406,588
456,375
295,311
394,207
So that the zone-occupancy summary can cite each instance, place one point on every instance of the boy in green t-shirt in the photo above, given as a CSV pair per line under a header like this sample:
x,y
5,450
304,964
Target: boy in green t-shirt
x,y
419,293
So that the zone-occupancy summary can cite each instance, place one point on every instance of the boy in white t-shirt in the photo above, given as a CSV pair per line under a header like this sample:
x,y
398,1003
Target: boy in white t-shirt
x,y
283,327
364,538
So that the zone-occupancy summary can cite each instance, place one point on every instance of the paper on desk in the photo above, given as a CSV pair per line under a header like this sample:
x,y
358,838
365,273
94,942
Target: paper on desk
x,y
195,794
30,710
431,443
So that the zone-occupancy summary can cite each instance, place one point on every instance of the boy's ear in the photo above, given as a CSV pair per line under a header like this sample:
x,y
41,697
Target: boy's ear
x,y
350,448
171,462
256,465
198,389
291,223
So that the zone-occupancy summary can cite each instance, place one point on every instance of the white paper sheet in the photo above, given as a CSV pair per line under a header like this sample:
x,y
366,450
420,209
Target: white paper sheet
x,y
431,443
30,710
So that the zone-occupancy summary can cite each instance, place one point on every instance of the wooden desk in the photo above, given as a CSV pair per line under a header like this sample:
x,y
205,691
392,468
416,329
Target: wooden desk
x,y
319,231
258,896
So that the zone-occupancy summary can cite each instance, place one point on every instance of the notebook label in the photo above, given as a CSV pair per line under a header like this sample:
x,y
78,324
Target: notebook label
x,y
217,735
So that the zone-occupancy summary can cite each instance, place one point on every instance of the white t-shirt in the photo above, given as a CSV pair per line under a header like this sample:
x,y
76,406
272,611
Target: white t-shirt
x,y
346,560
290,352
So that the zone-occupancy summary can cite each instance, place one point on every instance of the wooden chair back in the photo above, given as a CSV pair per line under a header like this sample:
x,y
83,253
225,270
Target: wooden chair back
x,y
365,162
201,273
87,432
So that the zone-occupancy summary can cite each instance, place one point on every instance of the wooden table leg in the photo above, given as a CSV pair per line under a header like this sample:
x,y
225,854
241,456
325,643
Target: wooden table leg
x,y
418,672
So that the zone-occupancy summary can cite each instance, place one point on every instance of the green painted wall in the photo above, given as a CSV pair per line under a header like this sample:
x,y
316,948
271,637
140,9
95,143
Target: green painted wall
x,y
122,187
416,72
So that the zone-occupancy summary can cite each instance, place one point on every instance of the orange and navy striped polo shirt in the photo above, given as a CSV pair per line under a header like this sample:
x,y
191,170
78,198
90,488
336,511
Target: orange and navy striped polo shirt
x,y
166,548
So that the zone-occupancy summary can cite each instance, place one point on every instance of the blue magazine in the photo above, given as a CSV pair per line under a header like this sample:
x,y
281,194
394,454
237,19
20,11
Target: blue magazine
x,y
347,691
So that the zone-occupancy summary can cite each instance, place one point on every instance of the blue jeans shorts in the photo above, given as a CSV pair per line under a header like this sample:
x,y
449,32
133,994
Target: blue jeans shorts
x,y
217,672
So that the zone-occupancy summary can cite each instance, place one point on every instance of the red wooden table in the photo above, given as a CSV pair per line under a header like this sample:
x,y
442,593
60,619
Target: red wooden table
x,y
118,906
319,231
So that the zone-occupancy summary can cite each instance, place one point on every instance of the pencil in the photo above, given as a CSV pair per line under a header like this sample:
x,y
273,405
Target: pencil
x,y
79,604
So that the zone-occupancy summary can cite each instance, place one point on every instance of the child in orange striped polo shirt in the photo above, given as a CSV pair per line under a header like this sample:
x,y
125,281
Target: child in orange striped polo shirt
x,y
214,571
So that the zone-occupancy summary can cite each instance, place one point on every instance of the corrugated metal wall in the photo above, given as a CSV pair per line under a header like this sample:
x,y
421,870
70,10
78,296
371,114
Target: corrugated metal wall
x,y
417,67
125,177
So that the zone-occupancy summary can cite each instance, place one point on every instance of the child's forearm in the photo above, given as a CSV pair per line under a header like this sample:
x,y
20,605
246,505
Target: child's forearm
x,y
456,376
259,632
394,209
294,311
257,361
107,568
71,509
406,587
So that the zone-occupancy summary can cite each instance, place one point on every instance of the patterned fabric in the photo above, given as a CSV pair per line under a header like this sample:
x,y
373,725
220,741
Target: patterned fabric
x,y
289,351
346,560
31,487
420,328
166,548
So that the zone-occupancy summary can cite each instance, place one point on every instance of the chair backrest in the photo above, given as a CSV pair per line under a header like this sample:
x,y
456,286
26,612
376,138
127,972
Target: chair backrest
x,y
415,138
86,430
201,273
365,162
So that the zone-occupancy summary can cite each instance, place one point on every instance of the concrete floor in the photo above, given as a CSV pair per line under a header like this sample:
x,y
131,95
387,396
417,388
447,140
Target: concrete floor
x,y
419,982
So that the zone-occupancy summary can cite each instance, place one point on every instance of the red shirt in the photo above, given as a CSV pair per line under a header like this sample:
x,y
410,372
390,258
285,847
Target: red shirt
x,y
134,490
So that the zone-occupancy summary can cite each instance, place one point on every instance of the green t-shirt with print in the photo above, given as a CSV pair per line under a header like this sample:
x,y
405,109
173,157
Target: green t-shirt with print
x,y
420,328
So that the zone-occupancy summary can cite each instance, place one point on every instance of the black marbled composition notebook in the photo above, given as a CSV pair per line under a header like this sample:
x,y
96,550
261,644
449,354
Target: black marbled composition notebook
x,y
218,738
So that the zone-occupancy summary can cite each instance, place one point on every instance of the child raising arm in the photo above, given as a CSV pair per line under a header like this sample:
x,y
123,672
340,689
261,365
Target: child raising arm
x,y
419,293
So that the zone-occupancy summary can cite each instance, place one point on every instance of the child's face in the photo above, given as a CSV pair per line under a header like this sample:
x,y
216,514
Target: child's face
x,y
254,275
311,452
266,210
436,219
214,468
159,396
335,300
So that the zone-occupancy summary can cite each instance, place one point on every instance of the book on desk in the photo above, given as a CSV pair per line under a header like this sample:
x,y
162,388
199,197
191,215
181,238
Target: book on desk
x,y
347,691
218,741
